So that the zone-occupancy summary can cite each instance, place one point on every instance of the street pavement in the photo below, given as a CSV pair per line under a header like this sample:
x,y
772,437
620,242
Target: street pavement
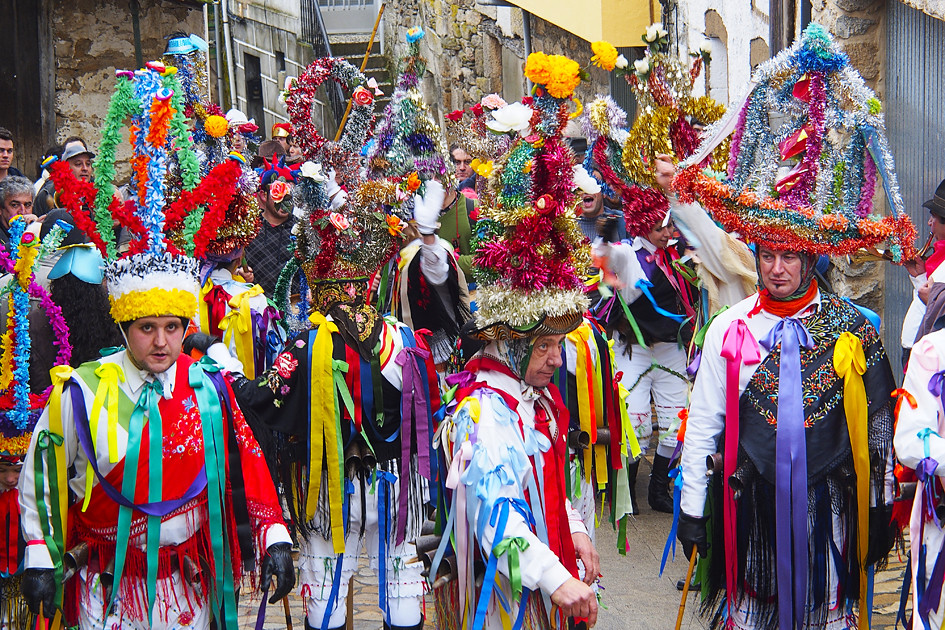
x,y
634,596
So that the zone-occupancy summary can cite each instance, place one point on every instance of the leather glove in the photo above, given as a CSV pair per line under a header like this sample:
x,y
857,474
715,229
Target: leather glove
x,y
278,563
426,209
882,534
199,341
607,228
691,533
39,585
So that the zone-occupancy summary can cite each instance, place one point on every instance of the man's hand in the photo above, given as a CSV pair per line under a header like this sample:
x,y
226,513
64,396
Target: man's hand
x,y
924,291
278,563
246,273
665,172
576,599
587,554
692,533
39,586
915,267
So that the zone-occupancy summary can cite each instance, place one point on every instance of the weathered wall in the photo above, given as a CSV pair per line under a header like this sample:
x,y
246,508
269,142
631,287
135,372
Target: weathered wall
x,y
859,27
93,38
475,50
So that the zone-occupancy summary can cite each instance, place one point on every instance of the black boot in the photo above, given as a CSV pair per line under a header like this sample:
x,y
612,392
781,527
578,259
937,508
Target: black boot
x,y
632,469
658,494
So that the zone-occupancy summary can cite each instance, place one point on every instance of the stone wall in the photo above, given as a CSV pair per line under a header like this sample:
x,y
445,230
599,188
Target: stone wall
x,y
474,50
859,27
93,38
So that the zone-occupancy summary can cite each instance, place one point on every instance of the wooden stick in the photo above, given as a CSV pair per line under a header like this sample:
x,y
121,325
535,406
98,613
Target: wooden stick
x,y
288,614
685,591
367,54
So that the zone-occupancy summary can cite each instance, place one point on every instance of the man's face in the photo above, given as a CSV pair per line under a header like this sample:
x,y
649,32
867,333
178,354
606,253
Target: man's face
x,y
155,342
9,475
238,142
6,154
780,271
937,227
14,206
463,164
592,204
545,360
277,199
283,142
660,235
81,167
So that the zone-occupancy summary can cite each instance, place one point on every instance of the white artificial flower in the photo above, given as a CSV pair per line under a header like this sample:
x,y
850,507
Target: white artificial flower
x,y
513,117
584,181
621,62
705,47
654,32
642,66
660,31
311,170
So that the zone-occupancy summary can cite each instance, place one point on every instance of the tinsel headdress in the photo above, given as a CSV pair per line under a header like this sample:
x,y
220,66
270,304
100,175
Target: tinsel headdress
x,y
807,144
407,138
531,255
19,408
158,274
299,97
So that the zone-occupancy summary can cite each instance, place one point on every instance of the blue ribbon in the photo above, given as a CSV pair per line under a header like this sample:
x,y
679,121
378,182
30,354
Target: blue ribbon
x,y
791,478
501,514
676,475
645,285
387,481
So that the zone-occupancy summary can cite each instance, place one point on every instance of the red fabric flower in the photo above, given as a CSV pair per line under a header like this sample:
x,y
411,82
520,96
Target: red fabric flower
x,y
455,115
476,109
285,365
362,96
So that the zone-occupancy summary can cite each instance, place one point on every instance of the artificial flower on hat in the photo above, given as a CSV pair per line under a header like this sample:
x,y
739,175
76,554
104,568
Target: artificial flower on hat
x,y
810,110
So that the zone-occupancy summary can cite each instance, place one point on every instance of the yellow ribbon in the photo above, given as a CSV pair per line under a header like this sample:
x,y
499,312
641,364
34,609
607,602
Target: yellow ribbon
x,y
59,375
106,395
850,363
582,377
323,430
238,324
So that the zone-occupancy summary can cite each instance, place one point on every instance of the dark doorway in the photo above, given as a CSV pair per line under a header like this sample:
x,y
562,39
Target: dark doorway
x,y
254,91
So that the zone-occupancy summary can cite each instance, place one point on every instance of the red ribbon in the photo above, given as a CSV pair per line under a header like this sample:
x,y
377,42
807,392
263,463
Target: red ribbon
x,y
216,299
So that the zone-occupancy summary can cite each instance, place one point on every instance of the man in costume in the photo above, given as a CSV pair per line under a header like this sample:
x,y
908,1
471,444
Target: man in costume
x,y
505,438
346,415
793,391
920,447
269,251
173,500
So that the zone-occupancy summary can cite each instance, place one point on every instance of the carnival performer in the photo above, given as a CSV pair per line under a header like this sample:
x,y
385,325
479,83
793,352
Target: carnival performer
x,y
920,447
347,407
793,390
172,496
19,408
505,436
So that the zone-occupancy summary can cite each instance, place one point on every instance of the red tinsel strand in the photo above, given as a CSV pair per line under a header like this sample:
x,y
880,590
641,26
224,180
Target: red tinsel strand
x,y
215,193
695,70
76,196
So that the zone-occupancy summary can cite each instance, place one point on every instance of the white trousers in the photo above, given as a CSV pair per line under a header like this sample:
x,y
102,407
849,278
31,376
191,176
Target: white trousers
x,y
649,386
317,565
172,610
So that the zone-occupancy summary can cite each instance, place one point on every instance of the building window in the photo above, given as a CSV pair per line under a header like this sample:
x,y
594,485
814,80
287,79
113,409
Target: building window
x,y
254,91
280,61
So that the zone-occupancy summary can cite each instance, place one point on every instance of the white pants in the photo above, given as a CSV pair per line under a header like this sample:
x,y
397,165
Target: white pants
x,y
172,610
317,563
650,384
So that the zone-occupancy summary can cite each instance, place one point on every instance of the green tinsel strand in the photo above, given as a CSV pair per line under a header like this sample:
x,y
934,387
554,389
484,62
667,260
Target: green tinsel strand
x,y
189,232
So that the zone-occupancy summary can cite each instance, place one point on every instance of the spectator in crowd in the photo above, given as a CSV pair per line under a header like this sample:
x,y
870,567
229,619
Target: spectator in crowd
x,y
464,172
76,153
44,164
281,132
6,155
16,199
268,253
592,208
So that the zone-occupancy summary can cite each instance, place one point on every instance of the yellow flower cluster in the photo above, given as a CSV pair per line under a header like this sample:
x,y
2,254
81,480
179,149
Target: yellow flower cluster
x,y
153,302
557,73
605,55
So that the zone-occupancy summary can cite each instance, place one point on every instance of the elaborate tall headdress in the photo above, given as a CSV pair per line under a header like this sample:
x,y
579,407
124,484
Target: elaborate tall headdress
x,y
19,408
808,142
531,255
407,138
158,274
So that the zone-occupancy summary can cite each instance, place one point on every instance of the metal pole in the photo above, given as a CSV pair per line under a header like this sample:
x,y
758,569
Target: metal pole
x,y
216,39
136,29
206,38
364,62
230,61
527,41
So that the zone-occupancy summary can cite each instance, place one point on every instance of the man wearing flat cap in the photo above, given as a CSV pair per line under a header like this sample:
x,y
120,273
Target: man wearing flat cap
x,y
925,275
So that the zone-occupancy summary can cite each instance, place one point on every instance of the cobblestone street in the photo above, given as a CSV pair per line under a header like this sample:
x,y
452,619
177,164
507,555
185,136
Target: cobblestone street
x,y
634,595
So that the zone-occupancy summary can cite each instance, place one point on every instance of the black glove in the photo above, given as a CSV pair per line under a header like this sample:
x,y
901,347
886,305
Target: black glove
x,y
199,341
39,585
882,534
278,562
691,533
607,228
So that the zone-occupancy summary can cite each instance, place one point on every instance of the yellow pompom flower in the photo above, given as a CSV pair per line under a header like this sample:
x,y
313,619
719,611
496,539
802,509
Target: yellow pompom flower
x,y
537,68
605,55
215,126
